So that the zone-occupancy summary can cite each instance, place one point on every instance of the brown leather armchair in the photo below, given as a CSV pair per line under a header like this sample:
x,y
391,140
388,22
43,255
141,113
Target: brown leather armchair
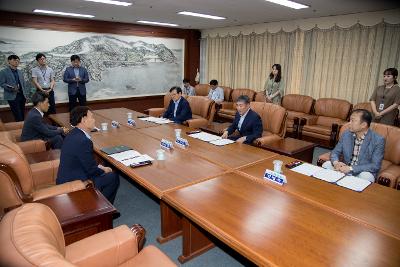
x,y
23,182
228,110
274,122
31,236
364,105
157,112
202,89
32,146
323,127
203,111
9,126
297,107
389,175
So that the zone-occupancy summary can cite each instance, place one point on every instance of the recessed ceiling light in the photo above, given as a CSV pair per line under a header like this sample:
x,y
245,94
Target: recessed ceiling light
x,y
111,2
288,3
62,13
157,23
188,13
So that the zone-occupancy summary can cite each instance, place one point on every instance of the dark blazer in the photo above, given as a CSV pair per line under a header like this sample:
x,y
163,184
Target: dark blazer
x,y
77,161
371,152
35,128
251,127
73,86
183,112
7,79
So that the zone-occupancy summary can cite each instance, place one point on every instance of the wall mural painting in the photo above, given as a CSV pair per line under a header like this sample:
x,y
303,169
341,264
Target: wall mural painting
x,y
118,65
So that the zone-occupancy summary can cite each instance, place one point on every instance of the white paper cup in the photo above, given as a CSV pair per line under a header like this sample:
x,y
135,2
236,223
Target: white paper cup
x,y
160,154
104,126
129,114
178,133
278,166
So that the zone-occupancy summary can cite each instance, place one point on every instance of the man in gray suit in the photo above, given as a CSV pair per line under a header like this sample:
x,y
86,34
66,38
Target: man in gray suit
x,y
361,148
34,126
76,76
12,81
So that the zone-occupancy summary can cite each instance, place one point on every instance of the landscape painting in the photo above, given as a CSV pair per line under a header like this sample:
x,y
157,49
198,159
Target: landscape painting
x,y
118,65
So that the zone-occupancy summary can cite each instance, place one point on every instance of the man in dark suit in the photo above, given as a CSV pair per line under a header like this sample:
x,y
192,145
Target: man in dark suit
x,y
77,160
76,77
247,125
179,109
360,150
34,126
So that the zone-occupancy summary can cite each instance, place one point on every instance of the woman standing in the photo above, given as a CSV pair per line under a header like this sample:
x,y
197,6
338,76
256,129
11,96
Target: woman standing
x,y
386,98
274,86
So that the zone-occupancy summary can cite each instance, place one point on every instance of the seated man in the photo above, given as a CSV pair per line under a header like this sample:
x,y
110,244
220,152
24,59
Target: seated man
x,y
247,125
362,149
216,93
77,160
34,126
179,109
187,88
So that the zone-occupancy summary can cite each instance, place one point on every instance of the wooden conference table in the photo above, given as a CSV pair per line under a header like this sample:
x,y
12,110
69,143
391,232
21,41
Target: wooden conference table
x,y
219,190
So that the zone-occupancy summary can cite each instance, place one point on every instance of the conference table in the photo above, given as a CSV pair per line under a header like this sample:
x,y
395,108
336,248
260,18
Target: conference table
x,y
209,192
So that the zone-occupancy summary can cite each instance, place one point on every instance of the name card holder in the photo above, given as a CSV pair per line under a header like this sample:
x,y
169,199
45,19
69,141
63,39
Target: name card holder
x,y
166,144
182,142
275,177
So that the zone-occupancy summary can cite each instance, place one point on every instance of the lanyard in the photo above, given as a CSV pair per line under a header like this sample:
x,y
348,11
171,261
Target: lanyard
x,y
43,73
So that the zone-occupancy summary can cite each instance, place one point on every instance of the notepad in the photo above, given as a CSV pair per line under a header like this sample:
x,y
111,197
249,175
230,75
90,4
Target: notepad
x,y
330,176
115,149
354,183
222,142
307,169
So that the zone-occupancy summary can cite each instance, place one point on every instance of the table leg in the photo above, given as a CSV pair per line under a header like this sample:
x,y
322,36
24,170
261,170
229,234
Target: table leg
x,y
171,223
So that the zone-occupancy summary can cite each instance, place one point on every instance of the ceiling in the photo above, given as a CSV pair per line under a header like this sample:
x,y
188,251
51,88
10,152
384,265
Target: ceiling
x,y
237,12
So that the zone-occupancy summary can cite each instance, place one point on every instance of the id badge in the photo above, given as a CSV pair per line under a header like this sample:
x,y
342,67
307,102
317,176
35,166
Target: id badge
x,y
381,106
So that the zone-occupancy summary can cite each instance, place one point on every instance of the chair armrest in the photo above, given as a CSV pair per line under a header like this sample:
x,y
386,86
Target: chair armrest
x,y
196,123
44,173
32,146
310,119
226,105
13,125
263,140
156,112
111,248
58,190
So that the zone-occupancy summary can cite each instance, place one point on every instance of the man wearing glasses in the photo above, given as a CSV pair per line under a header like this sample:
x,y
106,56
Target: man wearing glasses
x,y
179,108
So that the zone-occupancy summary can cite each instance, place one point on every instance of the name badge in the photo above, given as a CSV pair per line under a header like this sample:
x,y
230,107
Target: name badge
x,y
166,144
182,142
381,106
275,177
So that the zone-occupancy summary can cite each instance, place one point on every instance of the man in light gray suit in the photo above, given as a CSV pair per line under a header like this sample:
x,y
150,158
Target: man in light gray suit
x,y
76,76
361,148
12,81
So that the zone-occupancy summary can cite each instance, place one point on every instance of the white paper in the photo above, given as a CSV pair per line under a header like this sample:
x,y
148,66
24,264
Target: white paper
x,y
125,156
307,169
354,183
222,142
156,120
205,136
138,159
330,176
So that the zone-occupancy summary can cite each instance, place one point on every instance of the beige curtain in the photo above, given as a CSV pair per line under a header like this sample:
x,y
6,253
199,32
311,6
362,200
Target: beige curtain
x,y
340,63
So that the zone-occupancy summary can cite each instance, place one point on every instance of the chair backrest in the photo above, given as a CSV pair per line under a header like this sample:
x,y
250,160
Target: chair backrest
x,y
273,117
364,105
167,99
31,236
200,105
227,93
7,136
202,89
332,107
260,97
298,103
242,91
2,126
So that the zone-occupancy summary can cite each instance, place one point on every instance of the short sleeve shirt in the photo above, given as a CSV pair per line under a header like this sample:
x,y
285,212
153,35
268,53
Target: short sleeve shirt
x,y
43,75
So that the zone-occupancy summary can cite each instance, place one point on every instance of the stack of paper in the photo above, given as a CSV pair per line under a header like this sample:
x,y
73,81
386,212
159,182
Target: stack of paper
x,y
307,169
354,183
156,120
222,142
330,176
205,136
130,157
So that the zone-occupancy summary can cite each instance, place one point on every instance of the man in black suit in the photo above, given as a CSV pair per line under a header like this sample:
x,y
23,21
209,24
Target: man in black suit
x,y
77,160
179,108
34,126
247,125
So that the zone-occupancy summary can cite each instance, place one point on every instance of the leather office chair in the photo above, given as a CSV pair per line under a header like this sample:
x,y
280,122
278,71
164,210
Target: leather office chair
x,y
202,89
364,105
157,112
9,126
297,107
227,97
389,173
31,236
274,122
23,182
323,127
228,110
32,146
203,111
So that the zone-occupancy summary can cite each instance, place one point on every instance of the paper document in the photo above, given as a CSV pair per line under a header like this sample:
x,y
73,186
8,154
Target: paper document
x,y
330,176
137,160
354,183
222,142
307,169
205,136
125,156
156,120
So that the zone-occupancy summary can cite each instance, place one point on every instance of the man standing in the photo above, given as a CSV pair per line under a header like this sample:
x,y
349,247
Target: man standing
x,y
35,128
361,148
247,125
179,109
187,88
76,77
216,93
12,81
43,80
77,160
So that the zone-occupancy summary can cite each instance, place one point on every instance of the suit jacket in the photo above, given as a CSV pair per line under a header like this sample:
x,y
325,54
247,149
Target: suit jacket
x,y
7,78
77,161
73,86
371,152
183,112
35,128
251,127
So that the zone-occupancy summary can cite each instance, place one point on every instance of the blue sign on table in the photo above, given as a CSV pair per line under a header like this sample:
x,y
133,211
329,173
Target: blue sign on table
x,y
166,144
182,142
275,177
